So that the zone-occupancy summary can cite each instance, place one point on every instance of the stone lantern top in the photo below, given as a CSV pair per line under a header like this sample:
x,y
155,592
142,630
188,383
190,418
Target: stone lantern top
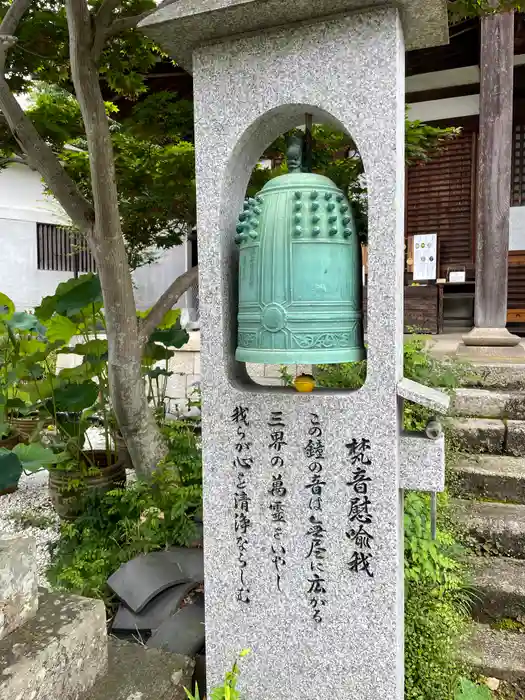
x,y
183,25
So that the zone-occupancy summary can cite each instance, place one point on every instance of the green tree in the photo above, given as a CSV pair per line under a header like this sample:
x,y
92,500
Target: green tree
x,y
82,44
90,48
154,161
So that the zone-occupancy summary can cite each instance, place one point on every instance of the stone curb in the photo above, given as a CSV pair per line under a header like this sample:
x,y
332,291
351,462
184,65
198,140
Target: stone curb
x,y
498,528
499,477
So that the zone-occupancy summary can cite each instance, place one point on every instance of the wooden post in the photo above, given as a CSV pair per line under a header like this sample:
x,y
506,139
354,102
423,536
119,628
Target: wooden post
x,y
494,181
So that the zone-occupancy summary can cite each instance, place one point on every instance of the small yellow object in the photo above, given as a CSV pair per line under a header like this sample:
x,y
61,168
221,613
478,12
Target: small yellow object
x,y
304,383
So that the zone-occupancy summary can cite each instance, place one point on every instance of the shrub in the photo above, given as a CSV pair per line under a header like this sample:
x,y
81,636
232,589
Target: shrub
x,y
436,605
124,523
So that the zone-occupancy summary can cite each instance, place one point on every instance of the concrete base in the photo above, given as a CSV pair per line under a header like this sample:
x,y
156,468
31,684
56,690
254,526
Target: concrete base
x,y
138,673
492,353
490,337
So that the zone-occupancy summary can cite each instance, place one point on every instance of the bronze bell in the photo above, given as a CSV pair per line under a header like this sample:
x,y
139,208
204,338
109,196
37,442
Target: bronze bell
x,y
299,272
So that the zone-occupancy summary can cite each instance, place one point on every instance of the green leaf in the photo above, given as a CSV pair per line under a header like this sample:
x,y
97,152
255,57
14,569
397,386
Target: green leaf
x,y
47,308
10,469
60,328
15,404
171,337
32,371
155,353
78,295
23,321
78,374
76,397
7,308
470,691
96,348
171,318
41,389
34,457
158,372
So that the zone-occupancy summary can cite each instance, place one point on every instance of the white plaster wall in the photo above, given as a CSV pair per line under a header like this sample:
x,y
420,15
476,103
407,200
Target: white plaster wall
x,y
433,110
23,198
19,277
152,280
23,203
517,228
450,108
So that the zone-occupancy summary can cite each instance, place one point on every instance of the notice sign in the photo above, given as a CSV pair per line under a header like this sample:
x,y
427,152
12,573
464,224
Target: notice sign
x,y
425,257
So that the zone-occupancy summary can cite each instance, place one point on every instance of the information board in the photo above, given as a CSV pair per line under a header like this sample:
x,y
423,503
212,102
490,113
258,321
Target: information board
x,y
425,257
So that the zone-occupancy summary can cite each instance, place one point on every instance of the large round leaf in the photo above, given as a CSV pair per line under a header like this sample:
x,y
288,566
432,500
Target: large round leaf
x,y
174,337
10,469
70,297
22,321
76,397
60,328
171,318
78,374
94,348
79,295
30,345
155,353
47,308
157,372
7,308
15,404
34,457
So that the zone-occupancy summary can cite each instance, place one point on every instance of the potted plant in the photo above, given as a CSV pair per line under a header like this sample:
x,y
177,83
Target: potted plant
x,y
22,458
20,334
72,397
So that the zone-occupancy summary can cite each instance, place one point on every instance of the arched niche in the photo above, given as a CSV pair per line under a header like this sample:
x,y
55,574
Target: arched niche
x,y
256,138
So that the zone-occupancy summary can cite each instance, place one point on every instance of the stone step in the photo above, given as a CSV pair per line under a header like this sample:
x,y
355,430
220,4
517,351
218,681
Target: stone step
x,y
499,477
496,375
138,673
497,528
479,435
487,403
496,654
499,588
59,653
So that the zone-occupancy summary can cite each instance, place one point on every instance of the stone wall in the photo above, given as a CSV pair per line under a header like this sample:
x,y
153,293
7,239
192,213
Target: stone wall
x,y
186,368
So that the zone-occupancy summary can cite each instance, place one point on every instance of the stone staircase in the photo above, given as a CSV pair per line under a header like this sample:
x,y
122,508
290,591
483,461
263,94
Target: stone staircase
x,y
489,479
55,647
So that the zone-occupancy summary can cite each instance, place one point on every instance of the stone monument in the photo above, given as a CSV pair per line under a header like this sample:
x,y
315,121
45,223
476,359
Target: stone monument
x,y
303,491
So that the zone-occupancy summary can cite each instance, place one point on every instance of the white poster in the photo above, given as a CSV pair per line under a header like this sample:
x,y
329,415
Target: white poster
x,y
425,257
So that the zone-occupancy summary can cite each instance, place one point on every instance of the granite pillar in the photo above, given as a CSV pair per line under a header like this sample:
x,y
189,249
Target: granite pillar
x,y
303,523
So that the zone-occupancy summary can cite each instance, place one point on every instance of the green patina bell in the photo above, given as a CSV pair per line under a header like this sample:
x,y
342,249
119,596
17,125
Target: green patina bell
x,y
299,272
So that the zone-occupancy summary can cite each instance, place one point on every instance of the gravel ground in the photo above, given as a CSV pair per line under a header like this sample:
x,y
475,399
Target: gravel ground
x,y
29,511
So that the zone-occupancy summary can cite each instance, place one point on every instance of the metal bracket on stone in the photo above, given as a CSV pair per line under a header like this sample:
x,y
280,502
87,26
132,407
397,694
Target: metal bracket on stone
x,y
423,395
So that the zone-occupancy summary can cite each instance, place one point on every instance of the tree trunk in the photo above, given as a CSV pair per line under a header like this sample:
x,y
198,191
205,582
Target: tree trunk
x,y
128,395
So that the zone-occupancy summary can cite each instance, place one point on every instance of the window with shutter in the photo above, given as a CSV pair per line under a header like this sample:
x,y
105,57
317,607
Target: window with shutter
x,y
59,249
